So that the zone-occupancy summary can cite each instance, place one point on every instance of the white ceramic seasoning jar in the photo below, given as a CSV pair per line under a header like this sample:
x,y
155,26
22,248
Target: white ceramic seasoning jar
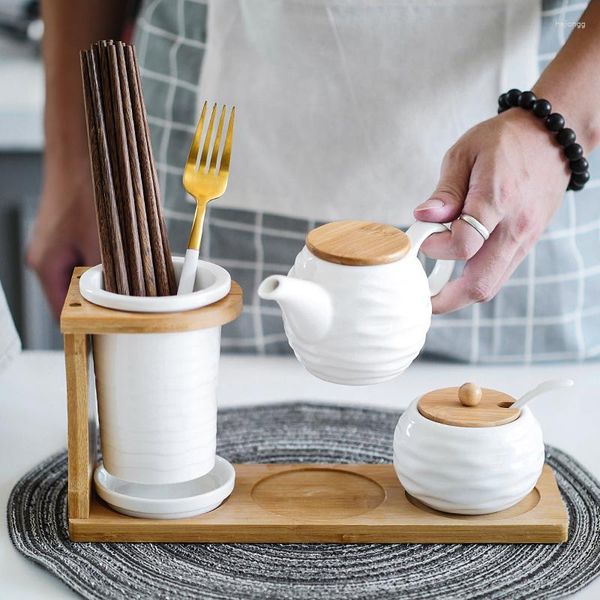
x,y
471,456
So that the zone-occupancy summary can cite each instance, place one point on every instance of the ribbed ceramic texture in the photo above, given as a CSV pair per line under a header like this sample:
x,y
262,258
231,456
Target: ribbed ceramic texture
x,y
468,470
381,315
37,524
156,403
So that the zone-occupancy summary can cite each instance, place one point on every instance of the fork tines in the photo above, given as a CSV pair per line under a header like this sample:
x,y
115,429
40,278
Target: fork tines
x,y
206,163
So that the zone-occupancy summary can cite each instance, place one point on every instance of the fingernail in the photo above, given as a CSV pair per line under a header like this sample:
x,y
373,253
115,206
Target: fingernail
x,y
431,203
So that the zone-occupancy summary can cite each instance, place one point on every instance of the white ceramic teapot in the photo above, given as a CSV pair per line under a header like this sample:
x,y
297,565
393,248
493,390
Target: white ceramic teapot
x,y
470,451
356,304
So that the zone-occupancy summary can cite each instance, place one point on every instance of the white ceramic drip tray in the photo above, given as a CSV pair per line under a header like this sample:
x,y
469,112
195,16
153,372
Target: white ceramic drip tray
x,y
167,501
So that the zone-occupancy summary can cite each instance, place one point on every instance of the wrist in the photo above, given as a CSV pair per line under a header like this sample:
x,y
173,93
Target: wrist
x,y
65,129
537,139
66,151
567,101
554,122
66,177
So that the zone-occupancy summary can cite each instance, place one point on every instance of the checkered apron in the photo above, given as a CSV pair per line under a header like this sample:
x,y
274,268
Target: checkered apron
x,y
549,310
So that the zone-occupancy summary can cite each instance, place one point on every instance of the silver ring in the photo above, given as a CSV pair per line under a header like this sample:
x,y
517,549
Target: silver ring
x,y
482,230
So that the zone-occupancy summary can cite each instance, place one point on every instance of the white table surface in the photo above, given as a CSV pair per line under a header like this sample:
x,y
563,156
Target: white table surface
x,y
33,422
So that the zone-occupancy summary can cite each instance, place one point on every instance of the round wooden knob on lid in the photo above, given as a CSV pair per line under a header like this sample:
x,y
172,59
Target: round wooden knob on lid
x,y
358,243
468,406
469,394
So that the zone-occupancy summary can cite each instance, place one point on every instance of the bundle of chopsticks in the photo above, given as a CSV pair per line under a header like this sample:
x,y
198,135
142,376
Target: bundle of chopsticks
x,y
136,258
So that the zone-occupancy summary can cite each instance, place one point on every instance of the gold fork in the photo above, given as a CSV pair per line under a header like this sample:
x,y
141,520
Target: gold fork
x,y
202,180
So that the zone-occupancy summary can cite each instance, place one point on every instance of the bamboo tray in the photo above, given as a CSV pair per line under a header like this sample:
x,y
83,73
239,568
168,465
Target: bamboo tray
x,y
273,503
332,504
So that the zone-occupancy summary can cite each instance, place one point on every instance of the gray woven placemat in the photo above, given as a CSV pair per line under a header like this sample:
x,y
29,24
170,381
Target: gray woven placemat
x,y
309,433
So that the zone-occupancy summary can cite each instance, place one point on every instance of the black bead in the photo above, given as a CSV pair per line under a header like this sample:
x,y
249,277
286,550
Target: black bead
x,y
501,109
503,101
574,151
542,108
566,136
555,122
527,99
575,187
580,165
513,97
580,178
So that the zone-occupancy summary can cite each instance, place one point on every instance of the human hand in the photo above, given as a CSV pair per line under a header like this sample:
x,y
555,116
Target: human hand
x,y
65,233
510,175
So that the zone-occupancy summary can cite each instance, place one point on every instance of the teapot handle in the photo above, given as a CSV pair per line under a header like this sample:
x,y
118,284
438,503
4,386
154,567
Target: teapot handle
x,y
418,232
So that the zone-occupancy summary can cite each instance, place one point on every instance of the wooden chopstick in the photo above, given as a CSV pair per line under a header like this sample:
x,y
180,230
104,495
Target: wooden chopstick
x,y
135,250
104,234
139,117
113,264
136,177
99,49
112,213
125,196
111,106
163,226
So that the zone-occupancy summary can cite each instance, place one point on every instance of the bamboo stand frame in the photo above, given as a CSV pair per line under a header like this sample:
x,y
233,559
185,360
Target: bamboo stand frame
x,y
270,503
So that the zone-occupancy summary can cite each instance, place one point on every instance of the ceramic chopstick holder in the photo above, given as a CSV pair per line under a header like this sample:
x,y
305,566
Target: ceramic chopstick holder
x,y
156,383
157,404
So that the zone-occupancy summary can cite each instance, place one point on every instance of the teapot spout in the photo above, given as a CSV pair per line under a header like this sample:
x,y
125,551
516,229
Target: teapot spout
x,y
306,306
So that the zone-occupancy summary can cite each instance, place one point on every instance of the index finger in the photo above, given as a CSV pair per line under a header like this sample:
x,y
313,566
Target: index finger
x,y
460,243
482,276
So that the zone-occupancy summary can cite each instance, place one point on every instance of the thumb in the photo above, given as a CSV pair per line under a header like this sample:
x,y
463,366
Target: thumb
x,y
446,202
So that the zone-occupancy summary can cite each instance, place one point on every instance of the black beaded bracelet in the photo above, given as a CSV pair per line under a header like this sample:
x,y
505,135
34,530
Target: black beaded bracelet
x,y
555,123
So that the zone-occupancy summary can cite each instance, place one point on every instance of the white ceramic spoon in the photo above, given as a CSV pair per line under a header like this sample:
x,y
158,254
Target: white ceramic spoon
x,y
542,388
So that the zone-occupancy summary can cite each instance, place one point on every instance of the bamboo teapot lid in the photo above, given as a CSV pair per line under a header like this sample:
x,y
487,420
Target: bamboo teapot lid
x,y
358,243
468,406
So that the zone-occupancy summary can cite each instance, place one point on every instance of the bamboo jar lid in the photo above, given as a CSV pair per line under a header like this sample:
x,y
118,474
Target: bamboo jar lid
x,y
468,406
358,243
